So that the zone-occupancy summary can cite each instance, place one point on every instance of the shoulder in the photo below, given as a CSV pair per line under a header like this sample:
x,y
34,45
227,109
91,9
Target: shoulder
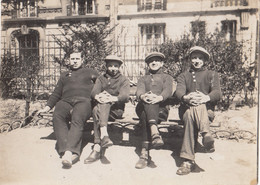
x,y
89,70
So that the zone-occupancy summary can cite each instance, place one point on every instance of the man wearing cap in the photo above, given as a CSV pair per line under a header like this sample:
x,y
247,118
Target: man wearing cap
x,y
110,93
153,90
199,90
71,98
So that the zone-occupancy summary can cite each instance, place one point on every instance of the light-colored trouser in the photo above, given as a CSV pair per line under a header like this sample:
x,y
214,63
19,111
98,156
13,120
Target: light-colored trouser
x,y
101,114
195,120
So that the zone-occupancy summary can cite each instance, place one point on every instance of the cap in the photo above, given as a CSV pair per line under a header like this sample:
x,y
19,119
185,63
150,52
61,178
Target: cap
x,y
201,49
113,58
154,54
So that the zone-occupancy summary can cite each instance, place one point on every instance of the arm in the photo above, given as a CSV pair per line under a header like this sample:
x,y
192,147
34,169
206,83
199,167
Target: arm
x,y
140,88
124,91
215,93
96,89
181,87
56,95
167,87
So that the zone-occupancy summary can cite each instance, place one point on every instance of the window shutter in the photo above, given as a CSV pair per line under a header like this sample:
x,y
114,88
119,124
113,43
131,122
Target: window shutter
x,y
244,17
138,5
164,4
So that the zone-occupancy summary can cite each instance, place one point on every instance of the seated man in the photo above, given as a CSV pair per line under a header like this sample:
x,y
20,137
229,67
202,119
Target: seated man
x,y
110,93
73,108
197,88
152,91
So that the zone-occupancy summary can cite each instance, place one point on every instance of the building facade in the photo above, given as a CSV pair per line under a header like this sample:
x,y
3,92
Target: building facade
x,y
141,25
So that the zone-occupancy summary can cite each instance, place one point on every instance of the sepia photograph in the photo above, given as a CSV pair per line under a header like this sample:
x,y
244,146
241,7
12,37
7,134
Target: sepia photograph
x,y
129,92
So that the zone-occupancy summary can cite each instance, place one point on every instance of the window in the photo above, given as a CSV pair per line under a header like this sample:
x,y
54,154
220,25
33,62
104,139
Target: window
x,y
229,28
82,7
151,5
198,29
26,8
152,35
28,45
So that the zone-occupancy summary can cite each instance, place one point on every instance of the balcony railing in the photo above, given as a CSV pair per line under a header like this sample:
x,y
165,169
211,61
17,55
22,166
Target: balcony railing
x,y
151,5
228,3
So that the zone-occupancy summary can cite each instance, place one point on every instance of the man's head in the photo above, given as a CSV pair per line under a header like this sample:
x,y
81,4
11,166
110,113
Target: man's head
x,y
155,61
198,57
76,60
113,64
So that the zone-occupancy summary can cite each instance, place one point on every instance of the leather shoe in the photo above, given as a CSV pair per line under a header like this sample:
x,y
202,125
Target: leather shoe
x,y
157,141
208,142
141,163
94,156
186,167
106,142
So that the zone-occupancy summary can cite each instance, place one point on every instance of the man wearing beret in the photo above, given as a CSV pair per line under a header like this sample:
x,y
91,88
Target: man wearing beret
x,y
152,92
199,90
71,98
110,93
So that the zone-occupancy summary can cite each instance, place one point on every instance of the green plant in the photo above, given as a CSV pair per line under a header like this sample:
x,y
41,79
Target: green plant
x,y
90,39
227,58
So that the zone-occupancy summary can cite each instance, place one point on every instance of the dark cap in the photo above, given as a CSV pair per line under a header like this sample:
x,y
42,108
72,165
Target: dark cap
x,y
113,58
154,54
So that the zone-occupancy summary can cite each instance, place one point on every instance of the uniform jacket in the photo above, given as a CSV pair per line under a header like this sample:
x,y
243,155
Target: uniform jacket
x,y
75,83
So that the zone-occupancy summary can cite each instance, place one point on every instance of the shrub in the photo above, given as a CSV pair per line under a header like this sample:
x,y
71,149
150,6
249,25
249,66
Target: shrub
x,y
227,58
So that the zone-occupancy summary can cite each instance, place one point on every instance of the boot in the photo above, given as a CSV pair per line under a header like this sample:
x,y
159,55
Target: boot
x,y
143,160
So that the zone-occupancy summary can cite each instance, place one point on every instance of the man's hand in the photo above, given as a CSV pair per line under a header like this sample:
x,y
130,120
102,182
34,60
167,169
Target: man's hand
x,y
196,98
151,98
46,109
105,97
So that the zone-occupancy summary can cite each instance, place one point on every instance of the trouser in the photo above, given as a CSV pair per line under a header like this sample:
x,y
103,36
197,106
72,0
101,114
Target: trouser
x,y
102,113
147,112
69,118
195,120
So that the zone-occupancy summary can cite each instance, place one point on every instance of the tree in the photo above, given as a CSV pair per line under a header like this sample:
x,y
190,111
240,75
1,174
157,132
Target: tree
x,y
227,58
90,39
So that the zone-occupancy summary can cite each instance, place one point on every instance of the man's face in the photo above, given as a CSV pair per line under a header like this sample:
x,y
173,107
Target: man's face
x,y
155,63
112,67
197,60
75,60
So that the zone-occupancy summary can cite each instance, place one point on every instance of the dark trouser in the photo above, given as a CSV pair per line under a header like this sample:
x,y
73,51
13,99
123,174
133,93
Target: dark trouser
x,y
147,112
195,120
69,136
102,113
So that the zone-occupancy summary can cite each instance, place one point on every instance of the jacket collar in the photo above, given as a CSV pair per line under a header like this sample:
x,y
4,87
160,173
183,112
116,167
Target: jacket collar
x,y
109,76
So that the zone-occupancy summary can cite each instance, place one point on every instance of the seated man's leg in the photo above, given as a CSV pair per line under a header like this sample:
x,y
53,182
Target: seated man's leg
x,y
104,111
152,113
188,144
95,153
202,120
144,156
81,113
61,118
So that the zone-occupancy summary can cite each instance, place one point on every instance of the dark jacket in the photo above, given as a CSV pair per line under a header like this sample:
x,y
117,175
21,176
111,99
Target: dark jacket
x,y
205,81
159,83
75,83
118,86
